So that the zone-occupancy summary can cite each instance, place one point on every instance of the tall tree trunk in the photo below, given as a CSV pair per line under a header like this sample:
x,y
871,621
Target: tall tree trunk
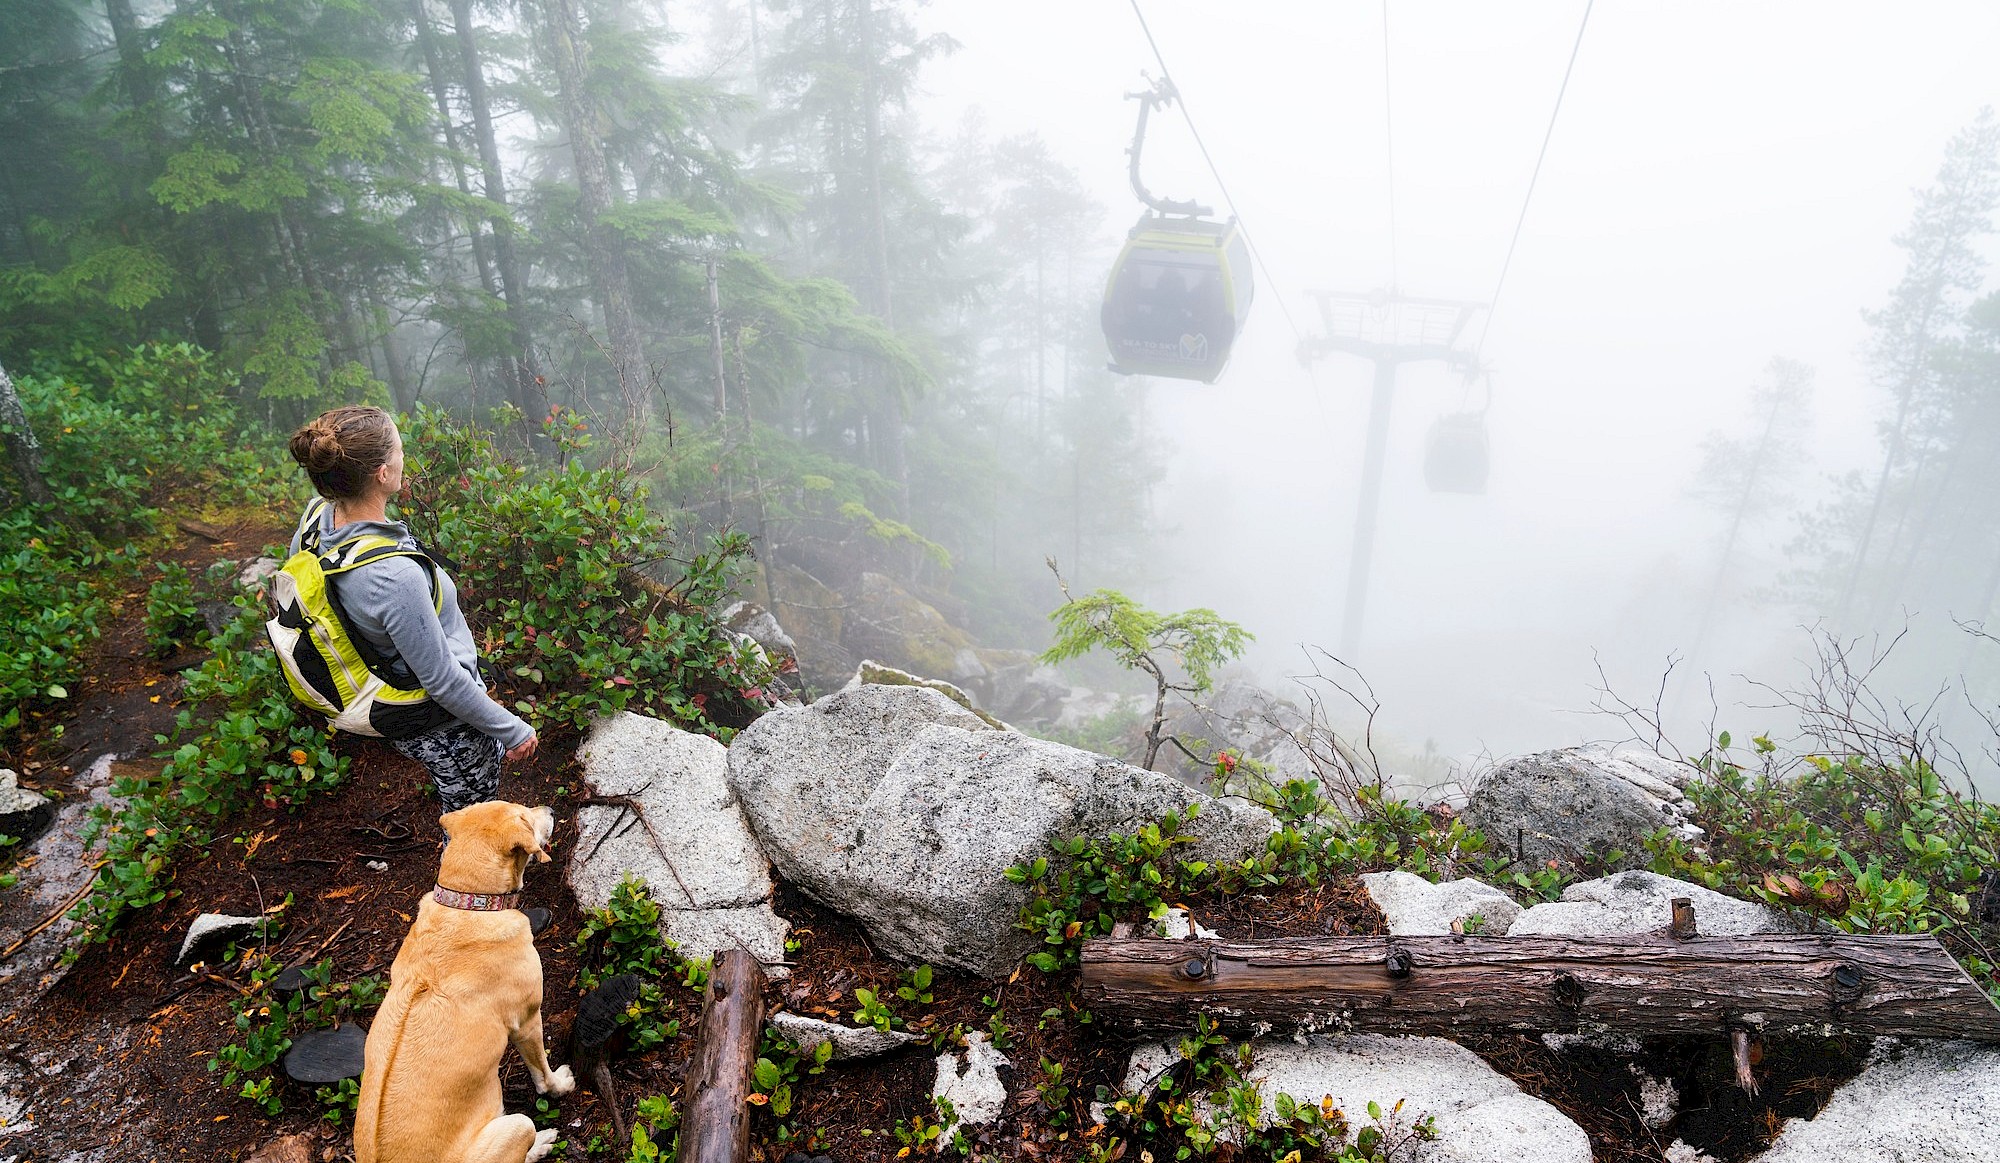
x,y
434,67
1736,519
889,391
511,282
393,362
593,180
293,243
23,450
133,75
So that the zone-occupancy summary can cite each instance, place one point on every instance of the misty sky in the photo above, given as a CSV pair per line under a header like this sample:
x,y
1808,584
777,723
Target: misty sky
x,y
1723,187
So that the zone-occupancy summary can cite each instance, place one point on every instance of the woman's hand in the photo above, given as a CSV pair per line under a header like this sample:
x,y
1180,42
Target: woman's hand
x,y
524,749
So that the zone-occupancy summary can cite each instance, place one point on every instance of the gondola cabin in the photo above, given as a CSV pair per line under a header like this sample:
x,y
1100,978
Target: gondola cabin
x,y
1456,458
1177,298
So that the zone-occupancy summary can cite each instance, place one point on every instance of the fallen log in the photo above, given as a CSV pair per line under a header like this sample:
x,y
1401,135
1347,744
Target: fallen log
x,y
1819,984
715,1117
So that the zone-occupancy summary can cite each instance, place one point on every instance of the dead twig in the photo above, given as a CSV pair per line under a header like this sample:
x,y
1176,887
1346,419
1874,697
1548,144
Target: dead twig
x,y
53,917
659,844
328,943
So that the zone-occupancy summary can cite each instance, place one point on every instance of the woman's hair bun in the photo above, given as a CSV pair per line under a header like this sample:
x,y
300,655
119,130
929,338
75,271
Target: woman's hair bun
x,y
325,454
342,448
316,446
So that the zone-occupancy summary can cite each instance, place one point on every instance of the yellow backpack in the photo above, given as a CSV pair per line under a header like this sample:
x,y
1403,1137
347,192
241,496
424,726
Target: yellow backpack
x,y
329,668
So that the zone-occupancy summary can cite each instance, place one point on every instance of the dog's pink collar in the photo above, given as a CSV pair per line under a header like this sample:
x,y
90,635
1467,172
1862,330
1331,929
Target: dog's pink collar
x,y
478,902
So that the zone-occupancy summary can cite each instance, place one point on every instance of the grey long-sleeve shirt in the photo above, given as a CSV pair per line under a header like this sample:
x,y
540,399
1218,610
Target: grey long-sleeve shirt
x,y
388,602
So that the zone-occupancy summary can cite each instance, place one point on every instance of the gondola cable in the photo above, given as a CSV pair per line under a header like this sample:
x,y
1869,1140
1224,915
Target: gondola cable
x,y
1493,304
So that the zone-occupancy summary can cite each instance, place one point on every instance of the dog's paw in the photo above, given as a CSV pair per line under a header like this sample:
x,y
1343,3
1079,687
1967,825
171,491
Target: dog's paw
x,y
560,1081
545,1141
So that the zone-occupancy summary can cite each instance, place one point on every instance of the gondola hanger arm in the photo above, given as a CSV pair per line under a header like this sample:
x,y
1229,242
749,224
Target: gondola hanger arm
x,y
1159,96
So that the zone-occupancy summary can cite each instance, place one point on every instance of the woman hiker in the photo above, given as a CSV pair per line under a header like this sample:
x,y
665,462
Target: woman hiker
x,y
354,456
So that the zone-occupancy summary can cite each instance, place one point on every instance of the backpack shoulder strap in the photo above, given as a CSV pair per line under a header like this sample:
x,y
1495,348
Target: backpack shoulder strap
x,y
308,531
356,552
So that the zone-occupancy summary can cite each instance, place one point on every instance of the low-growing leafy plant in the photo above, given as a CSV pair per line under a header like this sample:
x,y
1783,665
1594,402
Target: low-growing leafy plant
x,y
915,987
265,1023
1865,846
921,1136
171,615
122,434
874,1011
340,1100
623,936
1085,886
1207,1104
655,1131
48,617
782,1065
1054,1091
245,742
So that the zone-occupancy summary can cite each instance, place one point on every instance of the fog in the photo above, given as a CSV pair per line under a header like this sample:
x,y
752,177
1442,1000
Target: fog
x,y
1722,186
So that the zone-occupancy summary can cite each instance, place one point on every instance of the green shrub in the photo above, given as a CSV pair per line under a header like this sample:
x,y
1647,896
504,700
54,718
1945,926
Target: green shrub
x,y
1865,846
780,1067
550,566
48,618
655,1131
127,432
121,434
171,616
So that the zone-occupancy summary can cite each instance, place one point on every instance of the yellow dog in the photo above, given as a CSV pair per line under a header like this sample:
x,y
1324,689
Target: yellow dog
x,y
466,982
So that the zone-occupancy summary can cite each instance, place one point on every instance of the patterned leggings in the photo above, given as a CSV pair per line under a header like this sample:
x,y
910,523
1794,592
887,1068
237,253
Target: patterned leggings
x,y
463,762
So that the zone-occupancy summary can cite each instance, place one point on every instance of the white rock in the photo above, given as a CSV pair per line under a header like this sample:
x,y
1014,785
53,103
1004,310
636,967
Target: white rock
x,y
1508,1128
690,842
1917,1102
1414,907
754,929
215,928
1178,925
1659,1098
1482,1117
15,799
58,870
254,574
976,1094
762,628
1642,902
1149,1061
1680,1152
873,673
849,1042
903,810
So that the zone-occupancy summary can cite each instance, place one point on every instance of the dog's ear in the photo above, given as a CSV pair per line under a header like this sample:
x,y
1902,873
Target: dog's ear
x,y
449,822
529,838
